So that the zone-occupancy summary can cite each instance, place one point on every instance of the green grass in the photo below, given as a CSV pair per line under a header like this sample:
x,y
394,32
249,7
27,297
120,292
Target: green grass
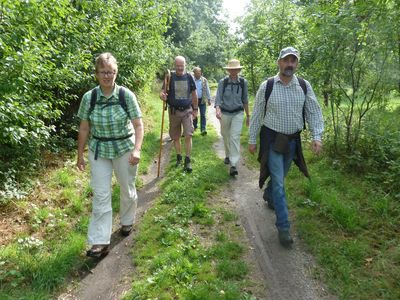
x,y
187,244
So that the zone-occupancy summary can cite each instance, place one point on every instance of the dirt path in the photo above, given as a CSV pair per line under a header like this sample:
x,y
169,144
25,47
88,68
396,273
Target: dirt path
x,y
111,277
287,274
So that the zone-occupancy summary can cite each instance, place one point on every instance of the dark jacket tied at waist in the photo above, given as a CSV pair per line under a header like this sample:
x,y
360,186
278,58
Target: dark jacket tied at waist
x,y
267,139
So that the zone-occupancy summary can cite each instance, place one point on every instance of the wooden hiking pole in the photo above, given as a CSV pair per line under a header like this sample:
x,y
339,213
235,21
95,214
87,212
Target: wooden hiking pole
x,y
166,90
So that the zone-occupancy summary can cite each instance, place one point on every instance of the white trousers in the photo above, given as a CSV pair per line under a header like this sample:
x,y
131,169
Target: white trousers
x,y
100,225
231,128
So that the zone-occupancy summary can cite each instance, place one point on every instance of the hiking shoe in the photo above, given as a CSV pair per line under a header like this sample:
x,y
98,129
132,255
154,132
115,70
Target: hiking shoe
x,y
178,160
126,230
270,204
188,166
285,238
97,251
233,171
204,133
226,161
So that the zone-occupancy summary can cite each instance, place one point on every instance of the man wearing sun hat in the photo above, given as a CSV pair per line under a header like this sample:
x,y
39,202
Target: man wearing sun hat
x,y
231,103
283,104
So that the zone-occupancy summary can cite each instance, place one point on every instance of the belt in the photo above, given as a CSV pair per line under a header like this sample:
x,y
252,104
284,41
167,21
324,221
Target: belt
x,y
180,108
107,139
232,110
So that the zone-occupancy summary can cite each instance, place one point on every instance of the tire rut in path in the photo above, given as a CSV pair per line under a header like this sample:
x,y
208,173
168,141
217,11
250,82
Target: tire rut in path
x,y
287,274
111,276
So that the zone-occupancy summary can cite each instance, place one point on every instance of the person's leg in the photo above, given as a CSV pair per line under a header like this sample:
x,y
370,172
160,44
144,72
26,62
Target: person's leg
x,y
100,225
175,131
225,132
203,109
236,130
195,121
279,165
126,176
188,129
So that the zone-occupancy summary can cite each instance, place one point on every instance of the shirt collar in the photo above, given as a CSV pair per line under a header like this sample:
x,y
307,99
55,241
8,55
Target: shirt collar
x,y
114,93
278,79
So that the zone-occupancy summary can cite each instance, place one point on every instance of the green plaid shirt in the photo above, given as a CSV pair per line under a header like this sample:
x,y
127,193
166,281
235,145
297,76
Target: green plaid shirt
x,y
109,120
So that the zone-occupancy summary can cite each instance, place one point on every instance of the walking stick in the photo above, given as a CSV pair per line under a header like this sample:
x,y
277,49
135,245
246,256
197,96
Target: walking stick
x,y
166,89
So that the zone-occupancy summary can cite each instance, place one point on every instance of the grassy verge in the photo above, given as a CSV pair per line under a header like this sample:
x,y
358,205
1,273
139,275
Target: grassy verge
x,y
350,226
53,219
189,245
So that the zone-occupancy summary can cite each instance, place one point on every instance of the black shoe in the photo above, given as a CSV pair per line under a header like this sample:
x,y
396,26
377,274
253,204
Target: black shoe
x,y
204,133
126,230
233,171
226,161
188,166
270,204
178,160
285,238
97,251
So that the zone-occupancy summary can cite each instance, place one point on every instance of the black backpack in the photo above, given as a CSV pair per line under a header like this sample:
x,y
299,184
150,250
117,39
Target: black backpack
x,y
121,100
240,83
270,86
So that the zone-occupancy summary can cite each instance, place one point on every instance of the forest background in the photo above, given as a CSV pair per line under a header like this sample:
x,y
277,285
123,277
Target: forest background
x,y
350,52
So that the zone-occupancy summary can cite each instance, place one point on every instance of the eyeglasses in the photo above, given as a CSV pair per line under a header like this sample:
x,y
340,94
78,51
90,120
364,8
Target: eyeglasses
x,y
108,73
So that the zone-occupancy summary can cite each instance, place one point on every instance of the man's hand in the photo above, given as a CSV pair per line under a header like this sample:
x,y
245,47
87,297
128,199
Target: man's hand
x,y
252,148
163,96
316,147
194,113
218,112
209,102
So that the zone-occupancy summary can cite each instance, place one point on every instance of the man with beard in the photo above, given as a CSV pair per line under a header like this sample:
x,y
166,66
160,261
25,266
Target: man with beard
x,y
283,104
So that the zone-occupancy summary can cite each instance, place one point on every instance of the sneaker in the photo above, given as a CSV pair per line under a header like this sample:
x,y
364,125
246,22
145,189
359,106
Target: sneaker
x,y
285,238
233,171
188,166
126,230
178,160
204,133
226,161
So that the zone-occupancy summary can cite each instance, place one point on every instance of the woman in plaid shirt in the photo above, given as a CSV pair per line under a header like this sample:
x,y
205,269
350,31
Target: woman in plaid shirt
x,y
114,131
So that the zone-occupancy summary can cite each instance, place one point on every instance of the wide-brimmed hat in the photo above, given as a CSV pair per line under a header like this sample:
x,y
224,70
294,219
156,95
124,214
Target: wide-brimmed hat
x,y
233,64
289,51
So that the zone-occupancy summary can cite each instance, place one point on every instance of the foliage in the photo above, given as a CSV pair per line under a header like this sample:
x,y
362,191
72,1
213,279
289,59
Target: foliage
x,y
47,49
198,33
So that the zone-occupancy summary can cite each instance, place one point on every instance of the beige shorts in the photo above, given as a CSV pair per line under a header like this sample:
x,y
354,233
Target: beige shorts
x,y
178,120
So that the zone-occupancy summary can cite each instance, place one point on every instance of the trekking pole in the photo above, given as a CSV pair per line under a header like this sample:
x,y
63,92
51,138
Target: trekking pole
x,y
166,89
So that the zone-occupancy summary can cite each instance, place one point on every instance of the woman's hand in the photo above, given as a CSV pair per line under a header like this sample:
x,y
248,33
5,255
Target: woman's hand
x,y
80,164
134,158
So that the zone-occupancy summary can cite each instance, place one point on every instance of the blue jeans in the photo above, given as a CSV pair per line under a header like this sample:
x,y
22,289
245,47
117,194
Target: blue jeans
x,y
278,165
202,108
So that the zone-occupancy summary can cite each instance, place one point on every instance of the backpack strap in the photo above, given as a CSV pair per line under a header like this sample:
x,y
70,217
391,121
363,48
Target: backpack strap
x,y
225,84
241,83
304,87
268,91
122,101
93,99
